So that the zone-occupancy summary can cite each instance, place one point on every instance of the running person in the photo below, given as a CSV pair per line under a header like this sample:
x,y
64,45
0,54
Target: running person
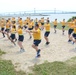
x,y
37,39
2,25
55,25
74,34
70,31
30,27
20,38
25,24
63,26
47,31
42,23
12,36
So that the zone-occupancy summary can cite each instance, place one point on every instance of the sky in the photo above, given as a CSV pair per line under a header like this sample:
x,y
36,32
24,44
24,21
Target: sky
x,y
27,5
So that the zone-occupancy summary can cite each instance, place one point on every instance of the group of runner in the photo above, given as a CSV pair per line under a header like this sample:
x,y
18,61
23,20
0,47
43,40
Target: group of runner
x,y
11,26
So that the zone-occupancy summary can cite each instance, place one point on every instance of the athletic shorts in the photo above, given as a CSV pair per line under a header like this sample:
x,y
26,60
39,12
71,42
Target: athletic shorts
x,y
21,38
70,31
7,30
55,26
63,27
25,27
2,29
30,28
42,23
12,36
74,35
46,34
37,42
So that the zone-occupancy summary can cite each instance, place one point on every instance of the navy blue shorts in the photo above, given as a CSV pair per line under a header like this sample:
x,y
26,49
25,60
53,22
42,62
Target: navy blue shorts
x,y
46,34
74,35
25,26
37,42
2,29
55,26
30,28
63,27
70,31
7,30
42,23
21,38
12,36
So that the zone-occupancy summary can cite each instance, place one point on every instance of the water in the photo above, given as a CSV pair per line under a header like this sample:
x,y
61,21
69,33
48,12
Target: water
x,y
52,17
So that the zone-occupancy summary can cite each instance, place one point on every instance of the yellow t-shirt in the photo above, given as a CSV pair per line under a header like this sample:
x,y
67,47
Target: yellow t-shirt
x,y
30,25
25,23
2,25
75,30
20,32
47,27
39,24
37,35
70,24
63,23
55,22
13,31
21,23
7,25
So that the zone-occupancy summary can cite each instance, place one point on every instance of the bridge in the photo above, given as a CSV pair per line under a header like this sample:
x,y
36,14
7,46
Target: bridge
x,y
35,13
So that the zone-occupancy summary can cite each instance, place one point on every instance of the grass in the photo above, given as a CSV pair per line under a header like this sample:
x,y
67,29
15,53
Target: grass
x,y
1,52
7,68
59,26
47,68
56,68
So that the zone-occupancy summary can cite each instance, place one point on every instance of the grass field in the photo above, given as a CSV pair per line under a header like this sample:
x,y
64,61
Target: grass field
x,y
47,68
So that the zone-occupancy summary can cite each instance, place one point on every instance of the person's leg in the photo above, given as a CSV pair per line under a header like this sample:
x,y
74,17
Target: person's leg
x,y
46,37
12,41
20,45
55,29
35,46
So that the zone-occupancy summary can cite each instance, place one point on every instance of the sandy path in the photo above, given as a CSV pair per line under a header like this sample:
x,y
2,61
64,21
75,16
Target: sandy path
x,y
58,50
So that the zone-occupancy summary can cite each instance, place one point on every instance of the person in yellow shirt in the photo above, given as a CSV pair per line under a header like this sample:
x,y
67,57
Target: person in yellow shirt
x,y
12,36
13,20
42,23
7,26
37,38
47,31
70,31
73,38
36,21
63,26
25,24
20,38
21,22
30,27
14,24
39,23
7,30
32,23
55,25
2,25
